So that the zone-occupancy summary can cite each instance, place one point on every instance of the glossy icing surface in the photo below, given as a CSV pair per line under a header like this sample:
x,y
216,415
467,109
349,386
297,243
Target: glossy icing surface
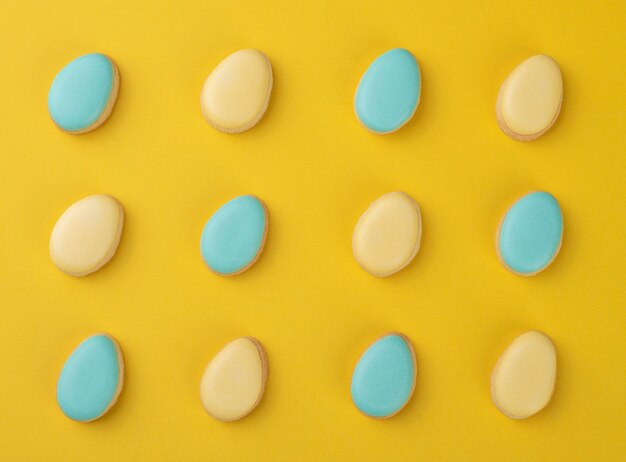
x,y
387,236
86,236
234,381
234,236
91,379
530,234
389,92
80,92
384,378
523,381
236,94
530,98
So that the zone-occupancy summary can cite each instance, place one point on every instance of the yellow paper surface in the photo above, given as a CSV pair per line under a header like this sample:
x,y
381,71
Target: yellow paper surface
x,y
306,299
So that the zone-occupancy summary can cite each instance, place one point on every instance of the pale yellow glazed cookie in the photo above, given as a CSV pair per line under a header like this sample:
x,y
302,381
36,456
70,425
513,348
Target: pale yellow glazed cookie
x,y
530,98
86,236
388,235
523,381
234,380
236,94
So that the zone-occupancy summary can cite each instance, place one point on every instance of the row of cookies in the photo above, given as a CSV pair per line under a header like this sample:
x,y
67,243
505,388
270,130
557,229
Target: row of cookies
x,y
383,381
386,238
237,93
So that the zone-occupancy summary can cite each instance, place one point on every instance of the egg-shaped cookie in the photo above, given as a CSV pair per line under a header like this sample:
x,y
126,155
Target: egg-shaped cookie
x,y
388,235
86,236
233,382
530,234
236,94
389,92
523,381
234,237
91,379
384,377
530,98
83,93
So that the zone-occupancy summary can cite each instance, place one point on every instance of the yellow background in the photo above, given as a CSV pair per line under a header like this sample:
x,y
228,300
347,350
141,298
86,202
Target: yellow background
x,y
317,169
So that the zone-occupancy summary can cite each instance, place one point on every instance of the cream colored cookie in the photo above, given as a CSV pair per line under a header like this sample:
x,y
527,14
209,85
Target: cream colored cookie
x,y
388,235
529,101
236,94
87,234
523,381
234,381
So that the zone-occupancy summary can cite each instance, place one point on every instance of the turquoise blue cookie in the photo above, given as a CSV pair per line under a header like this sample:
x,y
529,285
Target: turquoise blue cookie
x,y
234,236
530,234
91,379
83,94
389,92
384,378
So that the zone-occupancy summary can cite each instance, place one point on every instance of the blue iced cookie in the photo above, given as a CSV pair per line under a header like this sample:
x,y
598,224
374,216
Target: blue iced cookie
x,y
234,236
530,234
389,92
384,378
83,93
91,379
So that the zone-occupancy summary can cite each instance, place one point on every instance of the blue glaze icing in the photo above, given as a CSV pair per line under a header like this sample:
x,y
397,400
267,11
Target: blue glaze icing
x,y
531,233
384,377
81,91
389,91
234,235
89,381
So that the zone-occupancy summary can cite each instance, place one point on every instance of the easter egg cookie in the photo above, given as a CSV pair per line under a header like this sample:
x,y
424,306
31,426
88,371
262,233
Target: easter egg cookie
x,y
530,98
530,234
234,237
523,381
389,92
83,93
234,381
86,236
91,379
236,94
384,377
388,235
